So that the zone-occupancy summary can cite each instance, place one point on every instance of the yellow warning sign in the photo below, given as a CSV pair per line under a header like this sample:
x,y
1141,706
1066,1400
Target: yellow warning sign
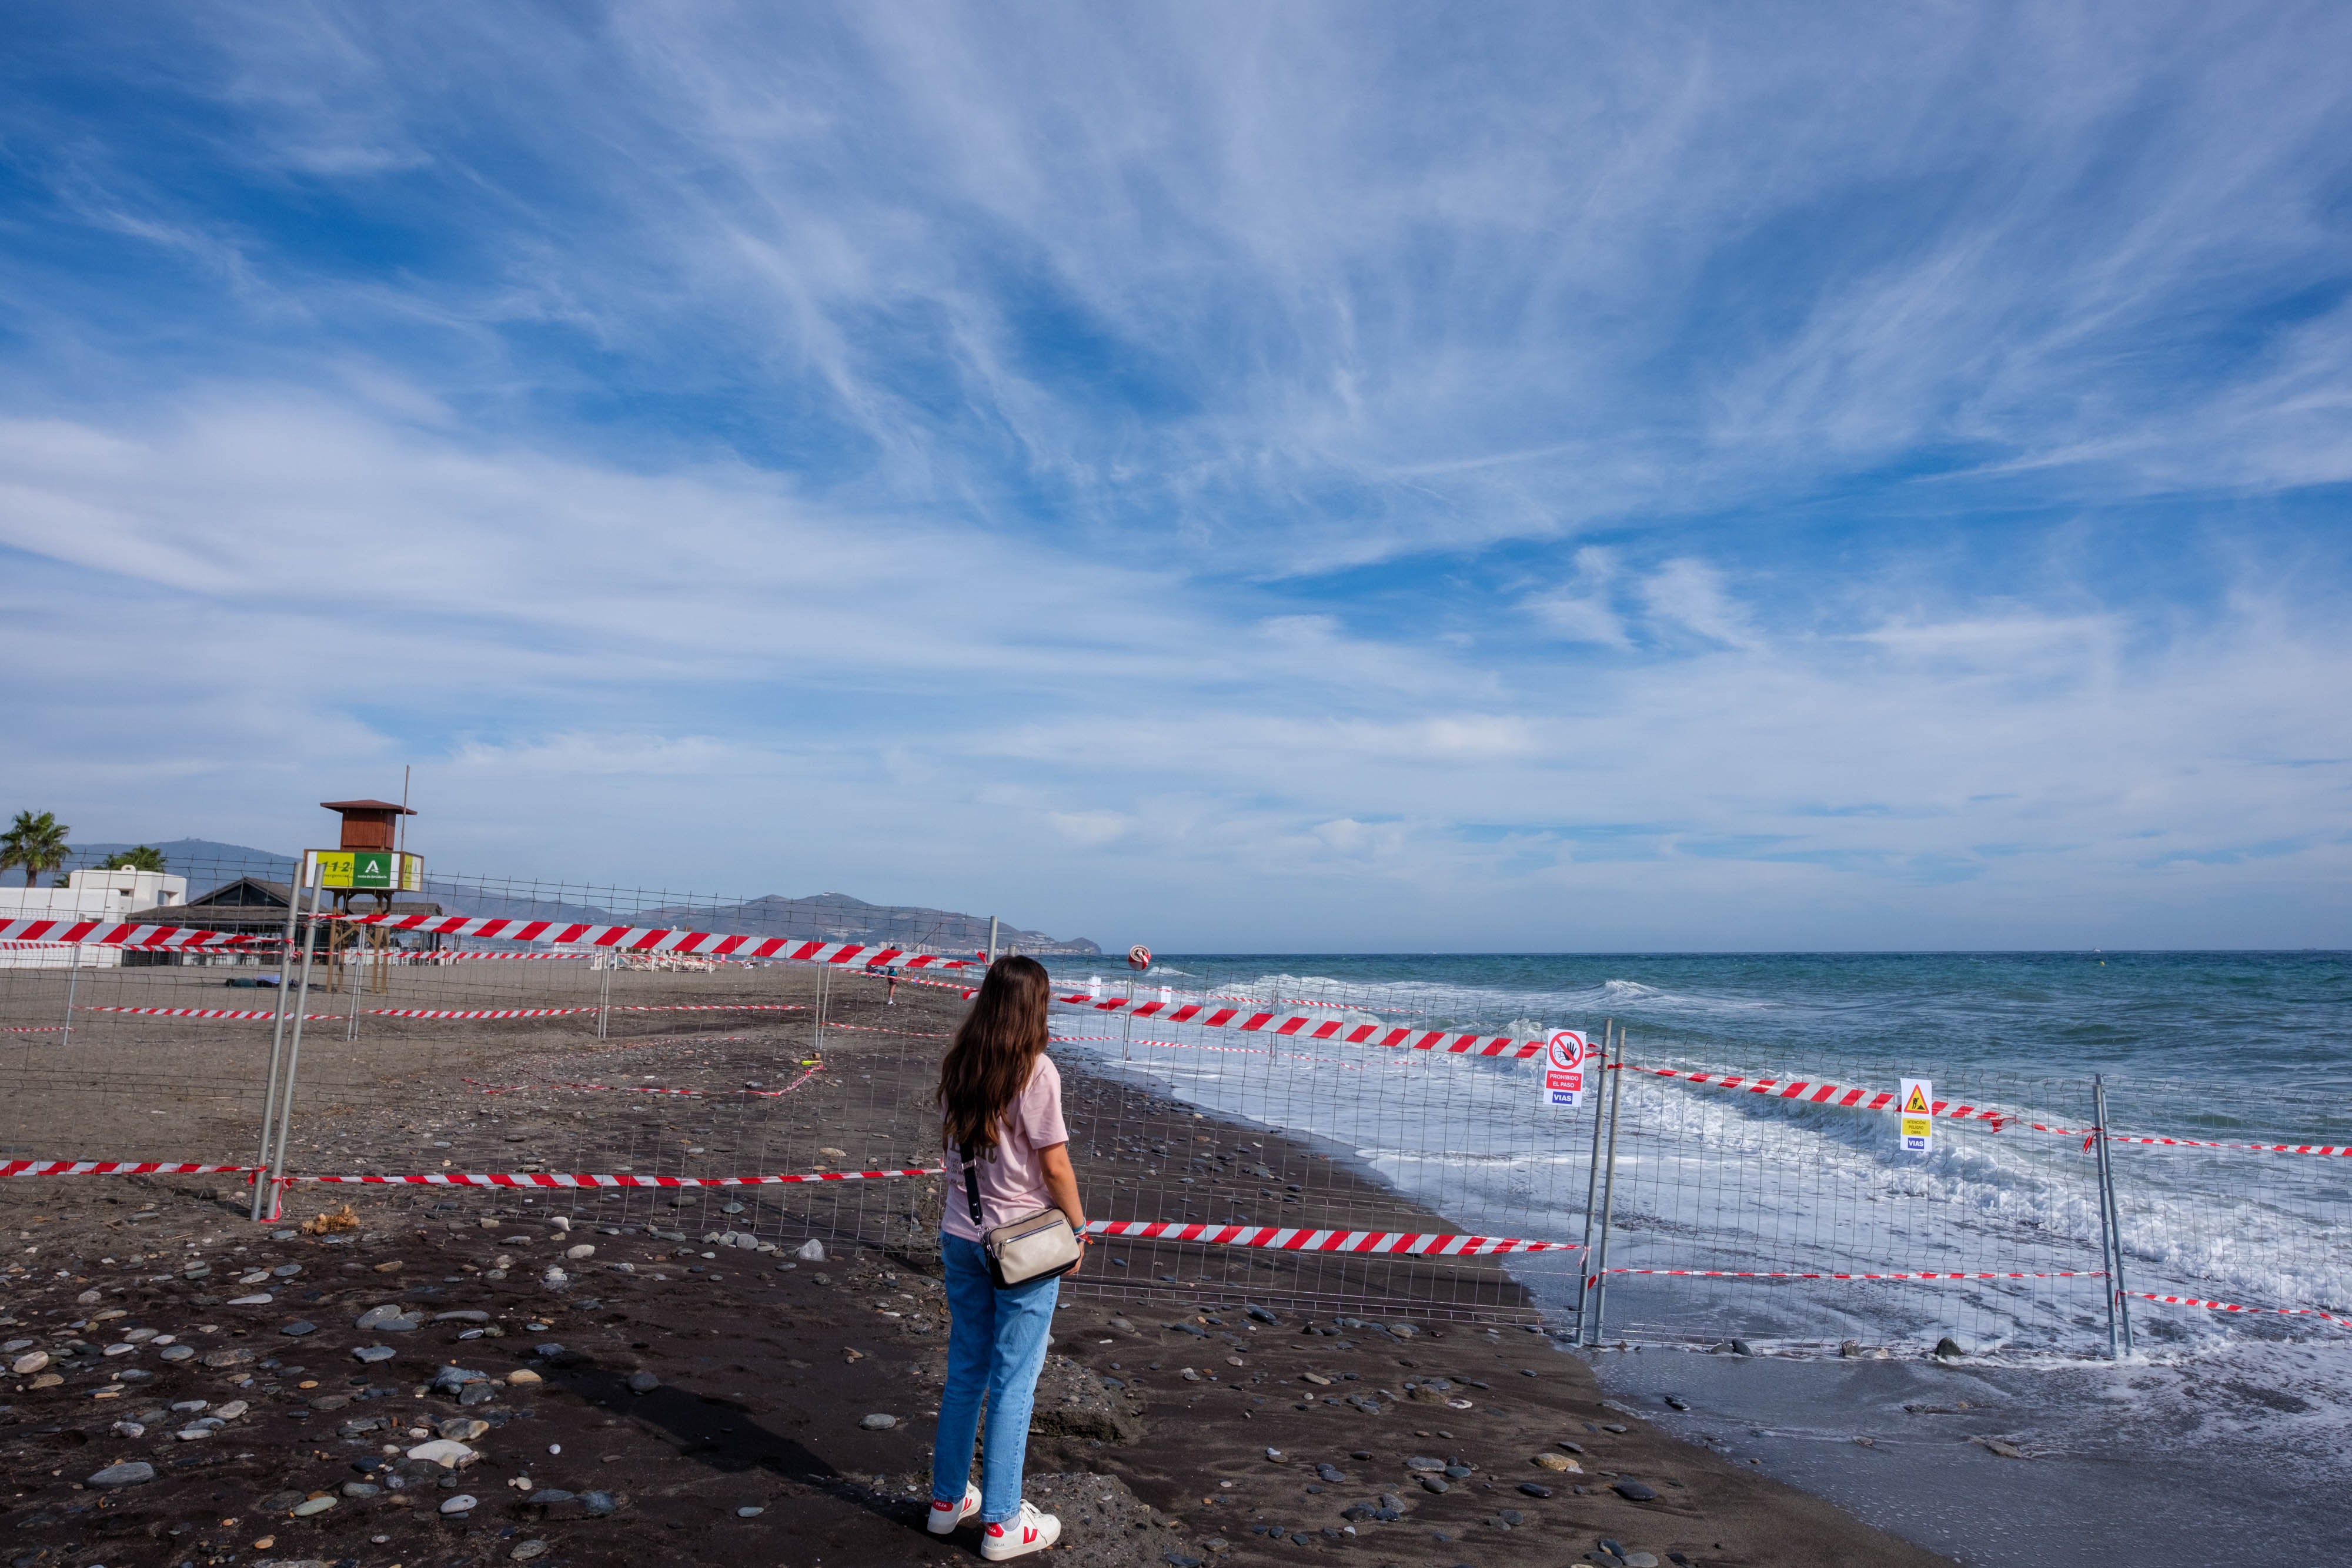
x,y
1916,1119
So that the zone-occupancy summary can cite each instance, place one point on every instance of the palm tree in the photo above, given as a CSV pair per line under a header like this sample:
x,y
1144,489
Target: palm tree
x,y
36,842
146,857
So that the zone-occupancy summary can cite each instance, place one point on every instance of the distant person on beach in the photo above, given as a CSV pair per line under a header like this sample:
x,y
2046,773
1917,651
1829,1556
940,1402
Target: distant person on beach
x,y
1000,1100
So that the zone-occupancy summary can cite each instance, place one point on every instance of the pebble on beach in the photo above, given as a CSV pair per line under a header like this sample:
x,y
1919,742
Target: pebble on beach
x,y
443,1452
129,1473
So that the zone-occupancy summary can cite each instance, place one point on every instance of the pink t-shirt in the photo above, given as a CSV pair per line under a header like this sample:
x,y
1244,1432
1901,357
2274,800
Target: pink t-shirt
x,y
1012,1179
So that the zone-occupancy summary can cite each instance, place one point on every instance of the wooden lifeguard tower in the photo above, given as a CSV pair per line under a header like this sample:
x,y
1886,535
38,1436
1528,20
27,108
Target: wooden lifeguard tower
x,y
369,824
369,860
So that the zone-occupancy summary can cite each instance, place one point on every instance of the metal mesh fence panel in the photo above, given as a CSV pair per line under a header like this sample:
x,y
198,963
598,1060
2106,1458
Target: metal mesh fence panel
x,y
1355,1167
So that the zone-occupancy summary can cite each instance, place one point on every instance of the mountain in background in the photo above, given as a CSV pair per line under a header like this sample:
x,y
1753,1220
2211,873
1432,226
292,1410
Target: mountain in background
x,y
831,917
837,917
198,860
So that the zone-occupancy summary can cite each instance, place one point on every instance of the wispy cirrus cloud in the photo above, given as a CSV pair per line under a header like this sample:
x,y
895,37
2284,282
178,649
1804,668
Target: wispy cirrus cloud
x,y
1859,475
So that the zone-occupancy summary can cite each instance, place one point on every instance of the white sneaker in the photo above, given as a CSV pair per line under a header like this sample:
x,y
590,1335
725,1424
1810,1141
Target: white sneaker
x,y
946,1516
1024,1533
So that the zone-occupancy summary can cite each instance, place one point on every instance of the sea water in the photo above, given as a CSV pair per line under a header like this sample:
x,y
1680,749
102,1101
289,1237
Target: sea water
x,y
2224,1439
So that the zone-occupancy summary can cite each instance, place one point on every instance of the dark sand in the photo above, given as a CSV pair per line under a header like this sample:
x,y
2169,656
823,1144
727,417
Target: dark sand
x,y
764,1366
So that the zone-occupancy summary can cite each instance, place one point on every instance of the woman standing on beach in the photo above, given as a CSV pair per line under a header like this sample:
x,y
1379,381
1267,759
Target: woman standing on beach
x,y
1000,1105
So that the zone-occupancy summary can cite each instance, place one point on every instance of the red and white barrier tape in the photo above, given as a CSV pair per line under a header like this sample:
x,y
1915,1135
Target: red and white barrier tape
x,y
1341,1061
445,1014
2342,1322
111,1167
425,960
652,939
709,1007
530,1178
2337,1149
1319,1002
1823,1093
2087,1133
966,992
246,1014
34,1028
1300,1026
115,933
1385,1243
1304,1026
1804,1090
1168,995
1868,1100
1089,999
1923,1274
1801,1090
1376,1243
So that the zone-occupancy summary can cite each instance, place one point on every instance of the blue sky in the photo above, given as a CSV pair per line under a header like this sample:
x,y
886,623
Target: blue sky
x,y
1309,478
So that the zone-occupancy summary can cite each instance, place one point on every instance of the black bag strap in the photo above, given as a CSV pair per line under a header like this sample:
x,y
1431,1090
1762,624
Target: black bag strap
x,y
971,1190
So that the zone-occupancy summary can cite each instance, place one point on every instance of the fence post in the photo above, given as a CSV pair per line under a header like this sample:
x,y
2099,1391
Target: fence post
x,y
607,962
1608,1196
991,941
1585,1278
277,1042
73,977
277,1162
2111,1228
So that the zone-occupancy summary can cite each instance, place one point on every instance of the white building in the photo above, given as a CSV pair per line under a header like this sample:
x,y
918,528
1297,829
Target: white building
x,y
90,895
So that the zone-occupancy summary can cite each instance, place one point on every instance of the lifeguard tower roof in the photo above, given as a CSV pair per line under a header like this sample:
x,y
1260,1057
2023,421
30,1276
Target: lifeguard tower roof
x,y
368,824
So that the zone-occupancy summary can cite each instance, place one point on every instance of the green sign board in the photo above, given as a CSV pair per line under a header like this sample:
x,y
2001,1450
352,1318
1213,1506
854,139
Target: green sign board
x,y
377,871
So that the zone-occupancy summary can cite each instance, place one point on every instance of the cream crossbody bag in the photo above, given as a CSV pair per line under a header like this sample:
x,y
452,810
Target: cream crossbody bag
x,y
1035,1247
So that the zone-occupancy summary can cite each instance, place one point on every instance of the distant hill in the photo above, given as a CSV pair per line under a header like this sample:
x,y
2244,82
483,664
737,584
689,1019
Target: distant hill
x,y
836,916
205,861
833,916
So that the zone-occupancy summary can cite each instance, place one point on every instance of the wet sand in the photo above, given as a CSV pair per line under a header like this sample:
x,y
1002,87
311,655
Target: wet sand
x,y
756,1372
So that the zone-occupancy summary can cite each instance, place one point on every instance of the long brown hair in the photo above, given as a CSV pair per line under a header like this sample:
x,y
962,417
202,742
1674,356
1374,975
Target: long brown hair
x,y
994,1051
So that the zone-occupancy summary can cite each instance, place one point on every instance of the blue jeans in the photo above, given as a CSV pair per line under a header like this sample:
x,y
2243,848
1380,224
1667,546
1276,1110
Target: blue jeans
x,y
996,1344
